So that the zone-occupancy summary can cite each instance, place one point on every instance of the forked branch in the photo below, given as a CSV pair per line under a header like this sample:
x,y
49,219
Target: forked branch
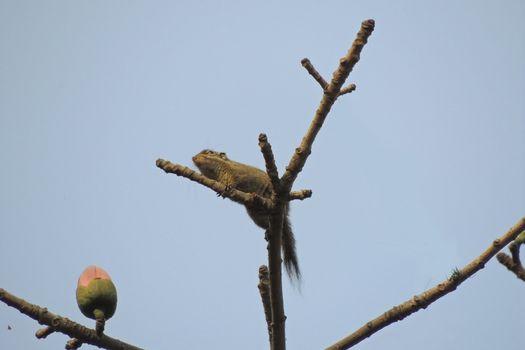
x,y
331,92
513,262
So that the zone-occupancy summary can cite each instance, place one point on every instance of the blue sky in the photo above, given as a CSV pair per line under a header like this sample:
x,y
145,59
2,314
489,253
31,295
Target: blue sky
x,y
413,174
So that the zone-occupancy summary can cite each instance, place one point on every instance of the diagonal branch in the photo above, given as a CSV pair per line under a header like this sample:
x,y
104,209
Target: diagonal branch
x,y
421,301
250,199
63,324
331,92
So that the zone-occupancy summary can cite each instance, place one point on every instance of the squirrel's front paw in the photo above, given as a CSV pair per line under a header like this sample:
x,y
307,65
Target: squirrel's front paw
x,y
227,188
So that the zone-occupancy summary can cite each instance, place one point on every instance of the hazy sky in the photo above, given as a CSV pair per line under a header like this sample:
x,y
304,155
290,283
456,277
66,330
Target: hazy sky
x,y
414,174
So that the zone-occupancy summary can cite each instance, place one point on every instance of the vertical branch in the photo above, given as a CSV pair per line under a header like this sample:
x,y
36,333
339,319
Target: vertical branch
x,y
276,284
264,290
274,235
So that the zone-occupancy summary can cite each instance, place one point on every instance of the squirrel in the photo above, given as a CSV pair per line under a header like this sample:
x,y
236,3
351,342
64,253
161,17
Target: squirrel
x,y
217,166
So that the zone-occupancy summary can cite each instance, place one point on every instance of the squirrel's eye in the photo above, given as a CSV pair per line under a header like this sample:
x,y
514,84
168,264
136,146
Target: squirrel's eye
x,y
222,154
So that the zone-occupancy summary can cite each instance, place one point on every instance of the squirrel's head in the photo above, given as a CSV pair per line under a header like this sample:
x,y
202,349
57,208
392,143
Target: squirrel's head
x,y
209,162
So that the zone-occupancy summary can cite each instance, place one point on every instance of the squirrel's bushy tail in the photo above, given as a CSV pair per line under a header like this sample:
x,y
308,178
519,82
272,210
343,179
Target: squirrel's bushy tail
x,y
291,263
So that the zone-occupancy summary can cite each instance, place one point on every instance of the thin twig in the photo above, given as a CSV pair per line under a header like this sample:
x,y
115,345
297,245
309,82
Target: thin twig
x,y
314,73
250,199
331,92
302,194
62,324
421,301
347,89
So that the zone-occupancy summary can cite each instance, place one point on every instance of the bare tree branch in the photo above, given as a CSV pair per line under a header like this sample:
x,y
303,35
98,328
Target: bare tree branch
x,y
63,324
274,236
331,92
421,301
